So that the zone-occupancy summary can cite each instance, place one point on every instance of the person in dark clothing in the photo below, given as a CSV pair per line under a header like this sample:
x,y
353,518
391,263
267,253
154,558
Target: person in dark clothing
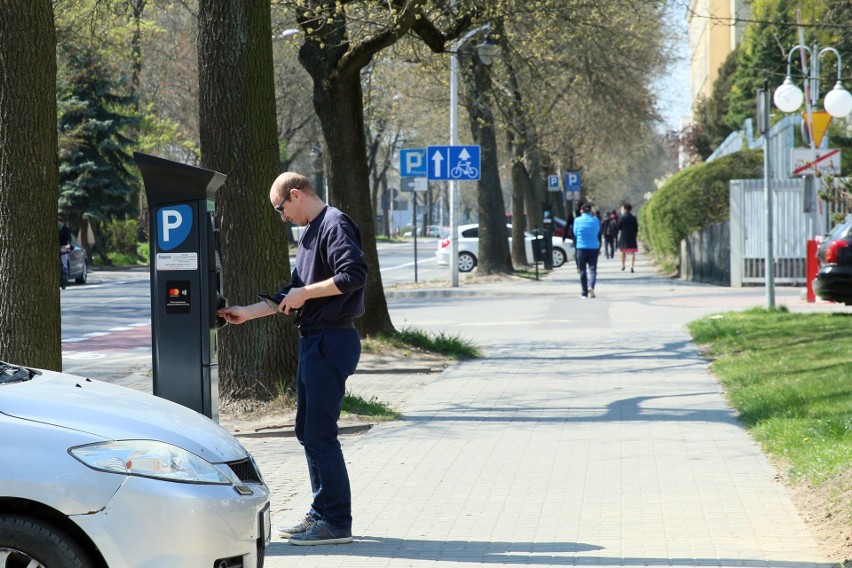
x,y
64,249
609,230
327,289
628,231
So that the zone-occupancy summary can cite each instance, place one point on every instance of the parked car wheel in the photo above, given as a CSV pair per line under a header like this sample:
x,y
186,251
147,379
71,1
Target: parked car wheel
x,y
467,262
34,544
84,275
559,257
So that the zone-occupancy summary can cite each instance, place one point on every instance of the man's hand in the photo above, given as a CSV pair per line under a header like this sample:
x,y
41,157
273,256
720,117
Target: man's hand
x,y
241,314
294,300
233,314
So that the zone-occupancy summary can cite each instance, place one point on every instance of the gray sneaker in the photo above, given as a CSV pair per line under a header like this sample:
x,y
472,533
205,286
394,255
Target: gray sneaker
x,y
321,533
302,526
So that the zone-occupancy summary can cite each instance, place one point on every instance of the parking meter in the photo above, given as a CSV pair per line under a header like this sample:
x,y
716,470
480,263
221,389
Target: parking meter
x,y
547,225
186,281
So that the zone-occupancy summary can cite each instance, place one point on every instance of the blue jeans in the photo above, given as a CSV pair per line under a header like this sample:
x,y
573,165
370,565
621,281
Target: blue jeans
x,y
326,359
587,260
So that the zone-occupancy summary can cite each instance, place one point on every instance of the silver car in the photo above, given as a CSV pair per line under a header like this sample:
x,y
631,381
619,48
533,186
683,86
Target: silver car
x,y
98,475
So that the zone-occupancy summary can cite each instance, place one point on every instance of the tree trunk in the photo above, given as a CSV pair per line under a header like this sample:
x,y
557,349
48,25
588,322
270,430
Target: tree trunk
x,y
518,139
494,257
337,101
238,138
520,187
536,190
30,326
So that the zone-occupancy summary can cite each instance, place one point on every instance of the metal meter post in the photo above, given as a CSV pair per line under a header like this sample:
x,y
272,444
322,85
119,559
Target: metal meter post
x,y
186,281
547,226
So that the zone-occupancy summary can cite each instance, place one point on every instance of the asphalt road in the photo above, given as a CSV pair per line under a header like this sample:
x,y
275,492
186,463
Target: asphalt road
x,y
106,323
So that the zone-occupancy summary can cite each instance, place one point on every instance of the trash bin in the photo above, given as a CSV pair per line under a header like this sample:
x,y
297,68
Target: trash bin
x,y
538,246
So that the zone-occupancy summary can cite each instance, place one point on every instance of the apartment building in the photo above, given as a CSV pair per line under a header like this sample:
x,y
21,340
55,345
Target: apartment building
x,y
715,29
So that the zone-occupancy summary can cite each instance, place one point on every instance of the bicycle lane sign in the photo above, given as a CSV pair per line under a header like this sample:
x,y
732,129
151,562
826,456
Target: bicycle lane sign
x,y
453,163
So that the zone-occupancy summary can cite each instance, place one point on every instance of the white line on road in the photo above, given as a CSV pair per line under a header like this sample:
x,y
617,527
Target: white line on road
x,y
406,265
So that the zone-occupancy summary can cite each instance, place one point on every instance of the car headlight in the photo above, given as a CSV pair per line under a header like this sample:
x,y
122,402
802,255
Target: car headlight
x,y
149,458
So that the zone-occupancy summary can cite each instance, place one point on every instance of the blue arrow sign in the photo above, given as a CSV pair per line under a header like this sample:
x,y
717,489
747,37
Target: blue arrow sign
x,y
453,162
412,162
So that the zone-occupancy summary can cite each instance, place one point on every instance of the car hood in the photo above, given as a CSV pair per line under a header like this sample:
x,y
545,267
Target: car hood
x,y
113,412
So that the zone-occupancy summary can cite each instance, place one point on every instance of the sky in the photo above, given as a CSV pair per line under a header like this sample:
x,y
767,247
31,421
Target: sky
x,y
674,88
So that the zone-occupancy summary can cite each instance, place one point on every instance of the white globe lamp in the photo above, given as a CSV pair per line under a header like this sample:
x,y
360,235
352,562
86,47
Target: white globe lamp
x,y
788,97
838,101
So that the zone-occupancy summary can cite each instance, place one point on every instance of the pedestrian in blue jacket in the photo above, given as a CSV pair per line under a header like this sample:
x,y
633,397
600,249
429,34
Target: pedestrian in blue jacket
x,y
587,231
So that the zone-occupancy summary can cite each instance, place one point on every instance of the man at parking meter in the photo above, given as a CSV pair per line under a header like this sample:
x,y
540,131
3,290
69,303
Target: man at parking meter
x,y
327,293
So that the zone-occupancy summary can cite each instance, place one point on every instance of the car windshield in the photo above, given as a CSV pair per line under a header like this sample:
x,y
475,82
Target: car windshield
x,y
12,374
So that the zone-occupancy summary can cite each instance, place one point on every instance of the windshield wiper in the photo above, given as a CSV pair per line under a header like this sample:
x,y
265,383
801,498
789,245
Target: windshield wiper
x,y
12,374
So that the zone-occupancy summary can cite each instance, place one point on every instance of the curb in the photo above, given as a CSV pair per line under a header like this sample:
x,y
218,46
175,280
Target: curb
x,y
289,432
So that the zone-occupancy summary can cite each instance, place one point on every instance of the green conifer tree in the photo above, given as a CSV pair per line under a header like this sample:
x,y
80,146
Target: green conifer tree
x,y
95,163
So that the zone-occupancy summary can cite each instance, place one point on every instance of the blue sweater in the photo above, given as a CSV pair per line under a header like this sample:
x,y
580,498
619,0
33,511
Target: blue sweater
x,y
587,227
330,248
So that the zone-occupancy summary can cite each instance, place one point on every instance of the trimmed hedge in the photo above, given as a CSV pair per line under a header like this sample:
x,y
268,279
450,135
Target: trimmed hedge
x,y
692,199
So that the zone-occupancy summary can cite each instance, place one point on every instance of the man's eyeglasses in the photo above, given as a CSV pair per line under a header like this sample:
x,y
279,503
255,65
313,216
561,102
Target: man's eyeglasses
x,y
280,206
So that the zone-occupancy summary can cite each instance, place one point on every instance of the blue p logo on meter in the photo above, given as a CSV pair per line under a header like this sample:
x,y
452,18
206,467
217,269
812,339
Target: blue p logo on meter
x,y
173,226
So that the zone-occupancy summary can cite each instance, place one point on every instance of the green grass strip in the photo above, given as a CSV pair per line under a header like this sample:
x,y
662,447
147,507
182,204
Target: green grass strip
x,y
372,408
452,346
790,378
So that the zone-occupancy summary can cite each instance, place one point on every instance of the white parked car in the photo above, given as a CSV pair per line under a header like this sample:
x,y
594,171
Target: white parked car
x,y
469,248
96,475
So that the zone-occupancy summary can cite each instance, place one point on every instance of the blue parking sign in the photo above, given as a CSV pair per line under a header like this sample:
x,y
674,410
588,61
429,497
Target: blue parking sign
x,y
572,181
412,162
453,162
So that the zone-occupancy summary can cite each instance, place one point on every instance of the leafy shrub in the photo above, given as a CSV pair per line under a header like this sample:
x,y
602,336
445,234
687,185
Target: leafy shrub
x,y
692,199
121,235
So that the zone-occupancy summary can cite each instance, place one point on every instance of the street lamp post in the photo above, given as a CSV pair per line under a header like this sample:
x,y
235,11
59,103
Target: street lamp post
x,y
486,55
769,258
789,97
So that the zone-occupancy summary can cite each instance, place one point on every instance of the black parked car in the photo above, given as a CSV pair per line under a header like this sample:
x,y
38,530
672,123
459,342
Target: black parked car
x,y
834,280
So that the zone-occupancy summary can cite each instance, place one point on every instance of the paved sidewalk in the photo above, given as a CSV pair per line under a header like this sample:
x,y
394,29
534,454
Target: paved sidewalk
x,y
591,434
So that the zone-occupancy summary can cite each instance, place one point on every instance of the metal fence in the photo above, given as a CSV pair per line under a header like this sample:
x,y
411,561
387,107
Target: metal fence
x,y
792,226
705,255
